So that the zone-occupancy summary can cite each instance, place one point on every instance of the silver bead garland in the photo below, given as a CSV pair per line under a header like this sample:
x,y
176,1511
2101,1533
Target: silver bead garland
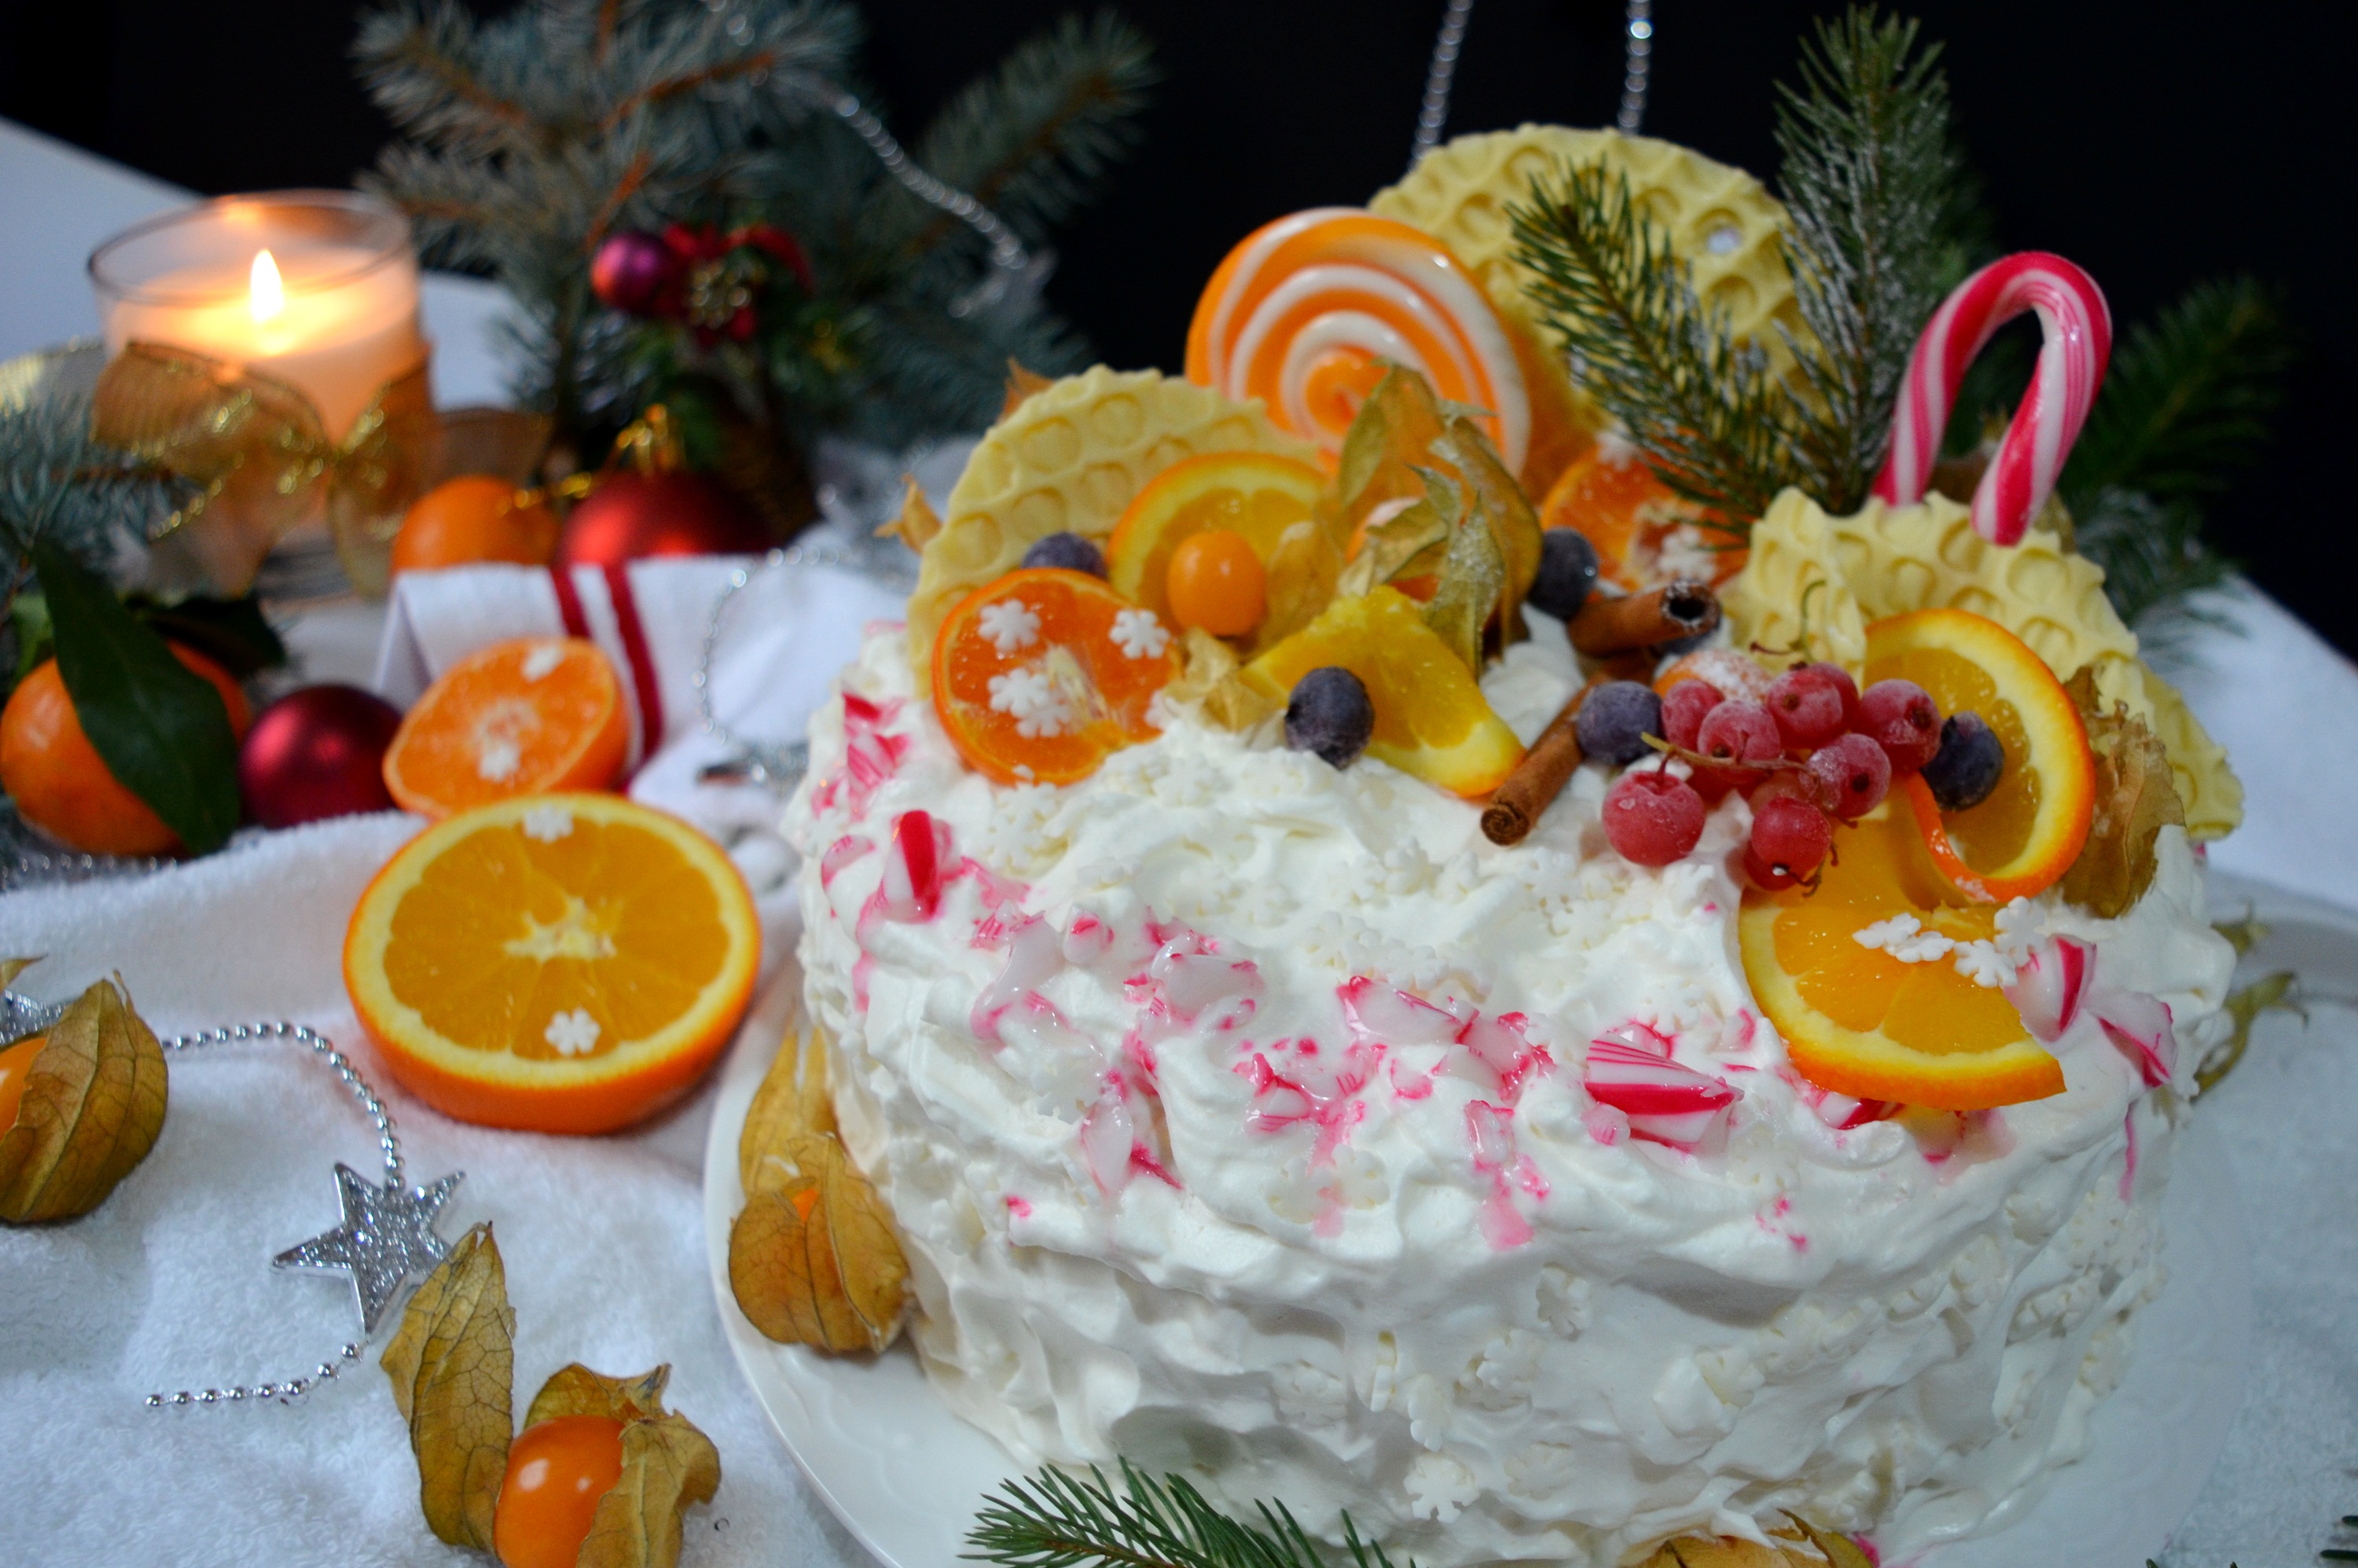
x,y
776,763
1435,113
1636,65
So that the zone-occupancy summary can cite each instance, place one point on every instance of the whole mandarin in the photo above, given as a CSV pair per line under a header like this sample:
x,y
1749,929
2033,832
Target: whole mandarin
x,y
60,783
471,518
1217,582
558,1469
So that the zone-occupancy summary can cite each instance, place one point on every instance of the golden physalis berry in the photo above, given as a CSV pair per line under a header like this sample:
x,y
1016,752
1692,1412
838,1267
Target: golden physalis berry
x,y
518,717
1644,533
2028,831
1899,1019
1217,582
15,1063
1039,675
564,963
557,1472
1267,502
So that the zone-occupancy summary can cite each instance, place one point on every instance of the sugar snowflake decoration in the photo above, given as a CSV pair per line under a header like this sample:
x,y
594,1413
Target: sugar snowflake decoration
x,y
2019,924
548,824
1984,965
1010,626
1028,697
1904,937
498,758
542,661
573,1033
1140,635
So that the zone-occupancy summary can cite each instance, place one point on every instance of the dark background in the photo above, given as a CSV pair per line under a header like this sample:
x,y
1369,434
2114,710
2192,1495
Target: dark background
x,y
2154,143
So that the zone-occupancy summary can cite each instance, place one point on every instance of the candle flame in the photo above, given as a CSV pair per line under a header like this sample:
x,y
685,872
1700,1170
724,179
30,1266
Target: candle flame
x,y
265,297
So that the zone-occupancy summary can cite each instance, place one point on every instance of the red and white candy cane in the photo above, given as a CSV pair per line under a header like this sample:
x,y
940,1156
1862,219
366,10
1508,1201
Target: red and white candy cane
x,y
2078,330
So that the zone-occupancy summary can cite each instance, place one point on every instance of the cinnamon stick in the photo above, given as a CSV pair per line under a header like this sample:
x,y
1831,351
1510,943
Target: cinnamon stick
x,y
1515,807
1686,608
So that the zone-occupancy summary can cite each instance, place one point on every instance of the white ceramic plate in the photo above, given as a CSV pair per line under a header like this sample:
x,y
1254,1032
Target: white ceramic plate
x,y
905,1475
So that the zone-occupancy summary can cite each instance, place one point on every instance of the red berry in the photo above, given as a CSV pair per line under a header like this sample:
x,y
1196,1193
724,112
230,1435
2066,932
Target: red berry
x,y
1794,783
1840,677
1808,705
1740,731
1790,837
1855,772
1684,707
1899,717
1766,876
1652,818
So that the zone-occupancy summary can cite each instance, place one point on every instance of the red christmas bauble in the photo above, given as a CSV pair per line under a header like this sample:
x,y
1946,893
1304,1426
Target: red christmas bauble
x,y
631,270
317,752
632,515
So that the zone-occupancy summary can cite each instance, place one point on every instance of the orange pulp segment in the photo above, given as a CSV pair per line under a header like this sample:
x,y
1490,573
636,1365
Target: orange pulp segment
x,y
566,963
518,717
1861,1023
1645,533
1255,495
1039,675
2031,829
1431,720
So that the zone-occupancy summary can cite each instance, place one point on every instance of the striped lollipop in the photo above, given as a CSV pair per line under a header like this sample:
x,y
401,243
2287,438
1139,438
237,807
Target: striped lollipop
x,y
2077,328
1302,311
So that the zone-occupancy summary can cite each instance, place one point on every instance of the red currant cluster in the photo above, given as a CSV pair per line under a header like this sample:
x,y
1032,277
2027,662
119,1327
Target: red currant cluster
x,y
1812,749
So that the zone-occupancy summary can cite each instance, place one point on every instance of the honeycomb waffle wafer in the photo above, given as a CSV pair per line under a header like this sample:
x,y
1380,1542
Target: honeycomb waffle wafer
x,y
1719,219
1814,581
1069,458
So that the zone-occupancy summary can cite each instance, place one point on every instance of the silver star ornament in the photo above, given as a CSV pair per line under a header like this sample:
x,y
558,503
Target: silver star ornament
x,y
387,1235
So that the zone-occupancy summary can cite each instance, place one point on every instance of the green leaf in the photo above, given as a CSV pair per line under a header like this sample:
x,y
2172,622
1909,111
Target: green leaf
x,y
160,728
231,633
30,612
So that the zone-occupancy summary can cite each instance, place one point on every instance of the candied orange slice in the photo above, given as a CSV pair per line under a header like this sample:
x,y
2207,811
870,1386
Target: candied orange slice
x,y
567,963
1645,533
2030,830
1859,1022
1038,676
518,717
1431,720
1259,495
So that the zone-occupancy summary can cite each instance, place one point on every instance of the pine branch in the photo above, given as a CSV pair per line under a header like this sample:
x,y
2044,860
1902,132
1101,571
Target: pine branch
x,y
1869,168
2155,558
1703,409
2188,397
1034,139
1055,1521
59,487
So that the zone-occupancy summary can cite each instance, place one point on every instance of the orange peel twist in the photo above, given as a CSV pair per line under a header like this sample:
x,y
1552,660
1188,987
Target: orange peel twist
x,y
1302,311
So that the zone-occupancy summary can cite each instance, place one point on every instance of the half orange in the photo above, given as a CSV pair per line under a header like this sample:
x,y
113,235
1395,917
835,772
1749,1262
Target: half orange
x,y
566,963
518,717
2026,834
1859,1022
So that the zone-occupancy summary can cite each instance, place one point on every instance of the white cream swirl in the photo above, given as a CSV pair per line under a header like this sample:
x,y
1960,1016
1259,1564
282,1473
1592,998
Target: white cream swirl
x,y
1232,1111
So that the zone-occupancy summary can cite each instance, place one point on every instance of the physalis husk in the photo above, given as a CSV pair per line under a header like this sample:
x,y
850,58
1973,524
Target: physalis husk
x,y
452,1363
92,1105
812,1258
2136,798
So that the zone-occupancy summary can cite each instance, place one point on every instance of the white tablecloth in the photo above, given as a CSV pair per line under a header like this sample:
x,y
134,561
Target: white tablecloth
x,y
169,1285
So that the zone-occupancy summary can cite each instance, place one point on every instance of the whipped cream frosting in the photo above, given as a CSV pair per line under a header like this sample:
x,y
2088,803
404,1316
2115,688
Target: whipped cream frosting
x,y
1261,1121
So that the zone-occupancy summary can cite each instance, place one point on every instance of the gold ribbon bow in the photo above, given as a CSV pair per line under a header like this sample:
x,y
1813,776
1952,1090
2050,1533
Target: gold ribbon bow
x,y
257,448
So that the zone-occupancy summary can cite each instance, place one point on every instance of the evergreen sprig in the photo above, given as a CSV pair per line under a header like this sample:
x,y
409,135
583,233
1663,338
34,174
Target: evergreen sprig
x,y
1055,1521
1869,170
1702,408
60,489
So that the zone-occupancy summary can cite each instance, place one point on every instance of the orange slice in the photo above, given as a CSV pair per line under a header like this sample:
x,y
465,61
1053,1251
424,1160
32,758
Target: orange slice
x,y
1431,720
1861,1023
1256,494
1039,675
2030,830
564,963
1645,533
517,717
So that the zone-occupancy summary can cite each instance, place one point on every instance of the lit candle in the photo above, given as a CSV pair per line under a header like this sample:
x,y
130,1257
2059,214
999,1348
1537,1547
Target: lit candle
x,y
317,290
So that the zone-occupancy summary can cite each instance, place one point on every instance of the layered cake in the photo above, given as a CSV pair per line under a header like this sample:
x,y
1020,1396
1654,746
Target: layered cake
x,y
1343,1043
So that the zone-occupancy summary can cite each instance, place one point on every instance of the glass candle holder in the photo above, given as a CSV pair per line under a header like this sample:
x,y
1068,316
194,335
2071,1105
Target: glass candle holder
x,y
315,289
